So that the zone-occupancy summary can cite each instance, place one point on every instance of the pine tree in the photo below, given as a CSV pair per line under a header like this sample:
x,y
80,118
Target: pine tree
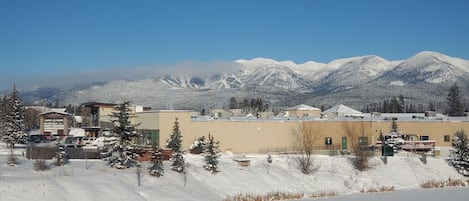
x,y
124,153
3,115
401,104
233,103
175,143
394,128
14,119
454,101
211,155
459,155
156,163
60,156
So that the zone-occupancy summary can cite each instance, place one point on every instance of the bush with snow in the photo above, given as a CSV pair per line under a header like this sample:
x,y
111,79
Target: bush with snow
x,y
41,165
156,163
198,146
60,156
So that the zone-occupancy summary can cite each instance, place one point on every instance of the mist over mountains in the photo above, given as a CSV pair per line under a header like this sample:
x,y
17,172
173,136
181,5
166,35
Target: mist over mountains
x,y
358,81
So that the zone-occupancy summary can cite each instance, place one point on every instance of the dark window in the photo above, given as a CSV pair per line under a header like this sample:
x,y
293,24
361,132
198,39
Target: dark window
x,y
328,140
424,138
362,141
446,138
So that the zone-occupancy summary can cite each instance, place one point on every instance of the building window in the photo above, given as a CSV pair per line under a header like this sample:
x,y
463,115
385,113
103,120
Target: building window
x,y
328,140
446,138
424,138
362,141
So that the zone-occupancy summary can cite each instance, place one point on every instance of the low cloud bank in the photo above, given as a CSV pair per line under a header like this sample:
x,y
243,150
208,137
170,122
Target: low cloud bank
x,y
71,80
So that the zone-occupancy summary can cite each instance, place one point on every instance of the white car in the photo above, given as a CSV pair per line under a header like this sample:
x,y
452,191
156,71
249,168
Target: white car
x,y
102,141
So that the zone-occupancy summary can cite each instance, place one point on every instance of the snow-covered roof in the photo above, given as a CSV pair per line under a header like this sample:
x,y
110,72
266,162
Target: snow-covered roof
x,y
302,107
43,109
342,109
77,132
55,110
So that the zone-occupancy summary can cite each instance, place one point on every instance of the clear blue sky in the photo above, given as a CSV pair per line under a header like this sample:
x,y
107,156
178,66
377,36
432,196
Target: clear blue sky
x,y
40,37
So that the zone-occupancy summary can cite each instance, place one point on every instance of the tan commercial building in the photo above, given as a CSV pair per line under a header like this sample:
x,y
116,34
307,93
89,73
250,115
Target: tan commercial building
x,y
269,135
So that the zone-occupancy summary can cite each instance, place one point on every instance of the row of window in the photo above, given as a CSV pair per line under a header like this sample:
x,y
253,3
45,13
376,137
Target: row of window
x,y
364,140
361,140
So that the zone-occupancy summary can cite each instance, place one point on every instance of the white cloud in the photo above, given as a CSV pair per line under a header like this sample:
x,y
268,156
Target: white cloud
x,y
65,81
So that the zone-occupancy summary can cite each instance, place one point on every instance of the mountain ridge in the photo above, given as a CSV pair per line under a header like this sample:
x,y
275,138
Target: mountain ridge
x,y
285,83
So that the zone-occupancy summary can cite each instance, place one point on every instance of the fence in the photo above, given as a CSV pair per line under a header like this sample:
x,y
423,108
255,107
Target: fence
x,y
319,150
72,153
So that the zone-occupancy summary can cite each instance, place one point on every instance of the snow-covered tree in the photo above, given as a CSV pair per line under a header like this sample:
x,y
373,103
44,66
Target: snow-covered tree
x,y
156,163
124,153
198,146
211,155
3,114
394,128
60,157
459,155
14,119
175,143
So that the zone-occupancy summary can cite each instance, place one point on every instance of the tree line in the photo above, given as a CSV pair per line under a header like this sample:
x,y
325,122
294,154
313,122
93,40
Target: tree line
x,y
249,105
454,105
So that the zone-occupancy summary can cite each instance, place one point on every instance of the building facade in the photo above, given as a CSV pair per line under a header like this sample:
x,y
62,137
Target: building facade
x,y
54,123
255,136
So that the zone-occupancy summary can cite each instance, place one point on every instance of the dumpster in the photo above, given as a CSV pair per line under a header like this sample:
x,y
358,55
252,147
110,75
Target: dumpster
x,y
387,150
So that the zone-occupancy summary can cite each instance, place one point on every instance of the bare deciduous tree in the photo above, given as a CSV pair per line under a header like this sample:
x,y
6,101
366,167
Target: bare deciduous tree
x,y
304,138
355,132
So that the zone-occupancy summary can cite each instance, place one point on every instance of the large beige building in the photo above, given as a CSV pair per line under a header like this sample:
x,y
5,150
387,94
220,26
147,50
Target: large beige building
x,y
268,135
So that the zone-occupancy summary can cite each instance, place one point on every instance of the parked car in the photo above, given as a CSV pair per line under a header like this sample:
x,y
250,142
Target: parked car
x,y
102,141
70,141
39,138
88,140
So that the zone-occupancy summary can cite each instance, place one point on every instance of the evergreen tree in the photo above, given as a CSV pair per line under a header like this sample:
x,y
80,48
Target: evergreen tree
x,y
156,163
233,103
394,128
459,155
14,119
454,101
124,153
431,107
175,143
394,106
211,155
401,104
3,115
60,156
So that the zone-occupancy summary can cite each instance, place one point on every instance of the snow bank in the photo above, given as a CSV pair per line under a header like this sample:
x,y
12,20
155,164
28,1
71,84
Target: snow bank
x,y
93,180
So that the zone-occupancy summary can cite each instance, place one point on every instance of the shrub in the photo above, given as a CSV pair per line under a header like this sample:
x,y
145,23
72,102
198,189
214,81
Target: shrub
x,y
377,189
441,184
323,194
12,160
267,197
40,165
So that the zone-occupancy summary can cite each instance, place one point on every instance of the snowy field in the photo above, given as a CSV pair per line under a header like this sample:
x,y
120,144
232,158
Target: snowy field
x,y
92,180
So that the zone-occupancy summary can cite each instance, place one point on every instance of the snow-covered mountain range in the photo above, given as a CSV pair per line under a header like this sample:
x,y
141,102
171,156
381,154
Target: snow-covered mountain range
x,y
356,81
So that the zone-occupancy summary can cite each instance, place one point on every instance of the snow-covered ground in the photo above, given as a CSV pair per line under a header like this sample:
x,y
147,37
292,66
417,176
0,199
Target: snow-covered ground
x,y
94,180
